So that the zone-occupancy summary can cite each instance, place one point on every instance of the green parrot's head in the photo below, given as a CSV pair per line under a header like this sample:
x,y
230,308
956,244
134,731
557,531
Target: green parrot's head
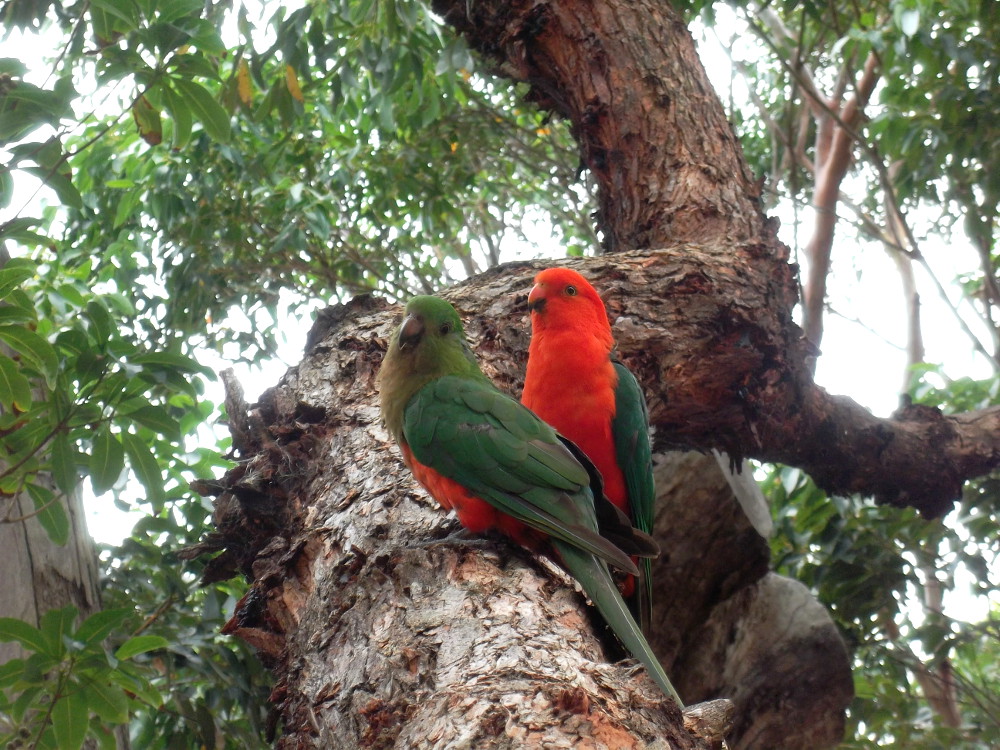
x,y
429,344
431,339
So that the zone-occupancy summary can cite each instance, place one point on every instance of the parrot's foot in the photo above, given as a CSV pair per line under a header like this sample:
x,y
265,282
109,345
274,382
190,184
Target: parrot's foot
x,y
460,538
711,721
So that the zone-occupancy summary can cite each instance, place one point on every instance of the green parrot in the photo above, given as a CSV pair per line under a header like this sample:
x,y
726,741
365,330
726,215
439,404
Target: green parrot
x,y
498,466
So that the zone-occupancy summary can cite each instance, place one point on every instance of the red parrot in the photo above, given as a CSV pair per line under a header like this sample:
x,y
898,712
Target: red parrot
x,y
573,384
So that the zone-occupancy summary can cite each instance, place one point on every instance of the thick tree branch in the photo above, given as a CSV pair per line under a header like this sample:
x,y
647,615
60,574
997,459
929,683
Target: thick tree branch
x,y
667,164
708,325
384,630
724,367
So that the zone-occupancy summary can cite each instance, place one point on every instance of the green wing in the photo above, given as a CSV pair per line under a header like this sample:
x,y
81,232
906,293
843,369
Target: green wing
x,y
630,429
500,451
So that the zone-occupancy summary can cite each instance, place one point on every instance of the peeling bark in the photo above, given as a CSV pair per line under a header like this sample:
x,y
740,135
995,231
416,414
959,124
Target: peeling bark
x,y
382,639
385,631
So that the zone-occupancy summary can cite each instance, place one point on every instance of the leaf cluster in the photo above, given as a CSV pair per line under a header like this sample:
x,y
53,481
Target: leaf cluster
x,y
930,135
882,572
80,398
334,149
71,685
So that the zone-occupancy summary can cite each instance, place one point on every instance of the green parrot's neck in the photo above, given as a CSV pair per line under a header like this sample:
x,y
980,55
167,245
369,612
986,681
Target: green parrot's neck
x,y
404,373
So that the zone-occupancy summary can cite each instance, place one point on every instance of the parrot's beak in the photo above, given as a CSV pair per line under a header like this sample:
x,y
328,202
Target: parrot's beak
x,y
536,298
410,332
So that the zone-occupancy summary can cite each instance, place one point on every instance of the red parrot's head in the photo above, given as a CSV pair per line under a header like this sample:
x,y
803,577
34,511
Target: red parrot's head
x,y
562,298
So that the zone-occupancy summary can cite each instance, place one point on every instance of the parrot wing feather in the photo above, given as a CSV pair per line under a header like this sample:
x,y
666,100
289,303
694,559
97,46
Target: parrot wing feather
x,y
596,580
630,429
504,454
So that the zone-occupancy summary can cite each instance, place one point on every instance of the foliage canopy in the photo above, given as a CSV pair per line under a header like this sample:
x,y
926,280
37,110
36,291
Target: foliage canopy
x,y
204,171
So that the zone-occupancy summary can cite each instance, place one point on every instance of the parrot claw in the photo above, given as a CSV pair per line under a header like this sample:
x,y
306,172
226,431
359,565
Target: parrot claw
x,y
460,538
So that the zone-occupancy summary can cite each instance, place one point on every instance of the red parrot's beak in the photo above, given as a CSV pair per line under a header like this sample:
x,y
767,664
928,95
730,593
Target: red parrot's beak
x,y
410,332
536,297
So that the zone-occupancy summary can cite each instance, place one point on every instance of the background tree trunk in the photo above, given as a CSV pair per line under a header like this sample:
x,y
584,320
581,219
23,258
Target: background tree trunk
x,y
38,575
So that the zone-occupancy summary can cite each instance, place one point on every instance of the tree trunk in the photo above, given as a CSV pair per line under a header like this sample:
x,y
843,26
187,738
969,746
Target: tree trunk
x,y
38,575
382,637
383,630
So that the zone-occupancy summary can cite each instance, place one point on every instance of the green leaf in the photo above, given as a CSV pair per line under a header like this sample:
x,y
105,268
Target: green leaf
x,y
30,637
181,114
10,672
208,111
124,10
146,468
99,625
12,276
15,390
34,348
13,66
126,676
26,107
108,702
24,702
127,204
105,735
140,644
102,24
60,183
20,229
106,461
50,513
58,623
64,463
37,668
171,10
70,718
169,361
157,419
10,315
102,326
195,65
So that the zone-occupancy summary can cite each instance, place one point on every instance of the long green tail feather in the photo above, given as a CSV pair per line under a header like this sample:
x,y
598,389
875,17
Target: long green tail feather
x,y
595,578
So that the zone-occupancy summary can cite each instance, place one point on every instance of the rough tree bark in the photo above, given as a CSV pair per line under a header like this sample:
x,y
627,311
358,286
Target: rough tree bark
x,y
670,171
382,639
385,632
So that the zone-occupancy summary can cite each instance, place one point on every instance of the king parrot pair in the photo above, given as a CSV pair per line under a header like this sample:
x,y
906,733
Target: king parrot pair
x,y
498,465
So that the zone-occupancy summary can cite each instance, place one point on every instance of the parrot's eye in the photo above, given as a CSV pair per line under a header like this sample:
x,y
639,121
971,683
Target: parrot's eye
x,y
445,329
571,291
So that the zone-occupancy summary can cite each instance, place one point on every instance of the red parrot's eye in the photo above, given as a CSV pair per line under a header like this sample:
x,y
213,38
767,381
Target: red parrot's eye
x,y
571,291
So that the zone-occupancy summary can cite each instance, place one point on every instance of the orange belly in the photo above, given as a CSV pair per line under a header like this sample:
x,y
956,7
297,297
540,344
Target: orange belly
x,y
474,513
